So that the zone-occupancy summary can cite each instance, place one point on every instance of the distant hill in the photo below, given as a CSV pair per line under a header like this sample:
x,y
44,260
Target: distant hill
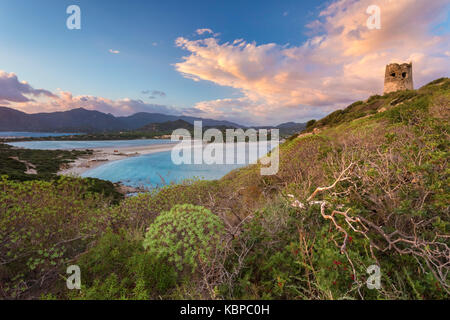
x,y
287,128
167,127
141,119
82,120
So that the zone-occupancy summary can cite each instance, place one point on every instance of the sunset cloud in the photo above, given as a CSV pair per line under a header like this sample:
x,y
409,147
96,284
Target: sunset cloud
x,y
17,94
122,107
13,90
341,62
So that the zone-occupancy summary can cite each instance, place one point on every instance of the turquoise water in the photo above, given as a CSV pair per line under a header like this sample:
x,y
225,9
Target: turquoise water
x,y
34,134
69,145
158,169
151,170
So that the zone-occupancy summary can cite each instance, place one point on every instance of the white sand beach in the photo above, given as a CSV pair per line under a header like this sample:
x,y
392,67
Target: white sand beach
x,y
105,155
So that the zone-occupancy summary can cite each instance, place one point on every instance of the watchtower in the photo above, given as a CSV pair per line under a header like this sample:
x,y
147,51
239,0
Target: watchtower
x,y
398,77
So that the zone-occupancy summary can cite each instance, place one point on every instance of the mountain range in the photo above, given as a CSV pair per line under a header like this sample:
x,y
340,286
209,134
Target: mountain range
x,y
89,121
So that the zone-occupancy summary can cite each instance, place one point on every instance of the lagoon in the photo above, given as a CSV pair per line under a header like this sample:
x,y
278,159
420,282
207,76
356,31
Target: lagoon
x,y
159,169
149,170
154,170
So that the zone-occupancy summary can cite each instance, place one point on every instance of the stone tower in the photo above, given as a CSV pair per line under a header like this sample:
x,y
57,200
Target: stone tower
x,y
398,77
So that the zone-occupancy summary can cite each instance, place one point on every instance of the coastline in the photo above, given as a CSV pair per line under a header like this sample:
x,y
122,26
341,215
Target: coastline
x,y
101,156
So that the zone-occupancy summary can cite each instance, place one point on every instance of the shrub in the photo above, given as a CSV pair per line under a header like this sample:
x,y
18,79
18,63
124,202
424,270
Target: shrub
x,y
373,98
184,236
43,225
310,123
118,267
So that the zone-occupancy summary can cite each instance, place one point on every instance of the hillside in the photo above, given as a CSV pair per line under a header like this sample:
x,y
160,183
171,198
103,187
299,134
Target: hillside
x,y
367,185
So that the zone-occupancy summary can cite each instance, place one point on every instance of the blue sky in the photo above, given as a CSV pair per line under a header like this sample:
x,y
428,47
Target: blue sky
x,y
37,47
144,32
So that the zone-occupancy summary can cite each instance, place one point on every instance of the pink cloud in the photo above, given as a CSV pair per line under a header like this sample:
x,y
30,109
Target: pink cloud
x,y
13,90
121,107
15,93
342,63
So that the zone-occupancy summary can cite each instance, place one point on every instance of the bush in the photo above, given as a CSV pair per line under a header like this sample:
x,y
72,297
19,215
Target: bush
x,y
310,123
184,236
118,267
43,225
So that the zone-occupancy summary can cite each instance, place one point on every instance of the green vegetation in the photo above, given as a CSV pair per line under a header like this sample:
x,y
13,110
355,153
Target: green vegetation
x,y
44,225
43,165
371,186
14,162
185,236
310,123
118,267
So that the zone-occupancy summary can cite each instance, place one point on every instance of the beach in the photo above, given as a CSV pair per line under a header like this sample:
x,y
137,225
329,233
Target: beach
x,y
101,156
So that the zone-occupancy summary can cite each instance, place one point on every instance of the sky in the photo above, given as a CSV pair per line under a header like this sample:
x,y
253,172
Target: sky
x,y
252,62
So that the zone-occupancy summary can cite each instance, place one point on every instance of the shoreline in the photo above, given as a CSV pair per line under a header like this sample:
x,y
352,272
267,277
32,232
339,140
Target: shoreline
x,y
101,156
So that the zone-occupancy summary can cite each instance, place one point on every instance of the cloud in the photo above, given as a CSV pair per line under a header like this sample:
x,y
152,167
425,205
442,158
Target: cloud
x,y
114,51
158,93
13,90
204,30
121,107
15,94
155,94
207,31
342,61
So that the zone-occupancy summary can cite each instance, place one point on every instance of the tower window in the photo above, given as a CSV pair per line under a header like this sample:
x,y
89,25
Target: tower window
x,y
393,74
404,74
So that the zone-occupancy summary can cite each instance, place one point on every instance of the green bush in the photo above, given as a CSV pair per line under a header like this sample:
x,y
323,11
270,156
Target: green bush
x,y
185,236
118,267
310,123
43,225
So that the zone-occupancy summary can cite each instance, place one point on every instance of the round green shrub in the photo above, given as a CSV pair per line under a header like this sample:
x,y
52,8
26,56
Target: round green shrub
x,y
184,236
